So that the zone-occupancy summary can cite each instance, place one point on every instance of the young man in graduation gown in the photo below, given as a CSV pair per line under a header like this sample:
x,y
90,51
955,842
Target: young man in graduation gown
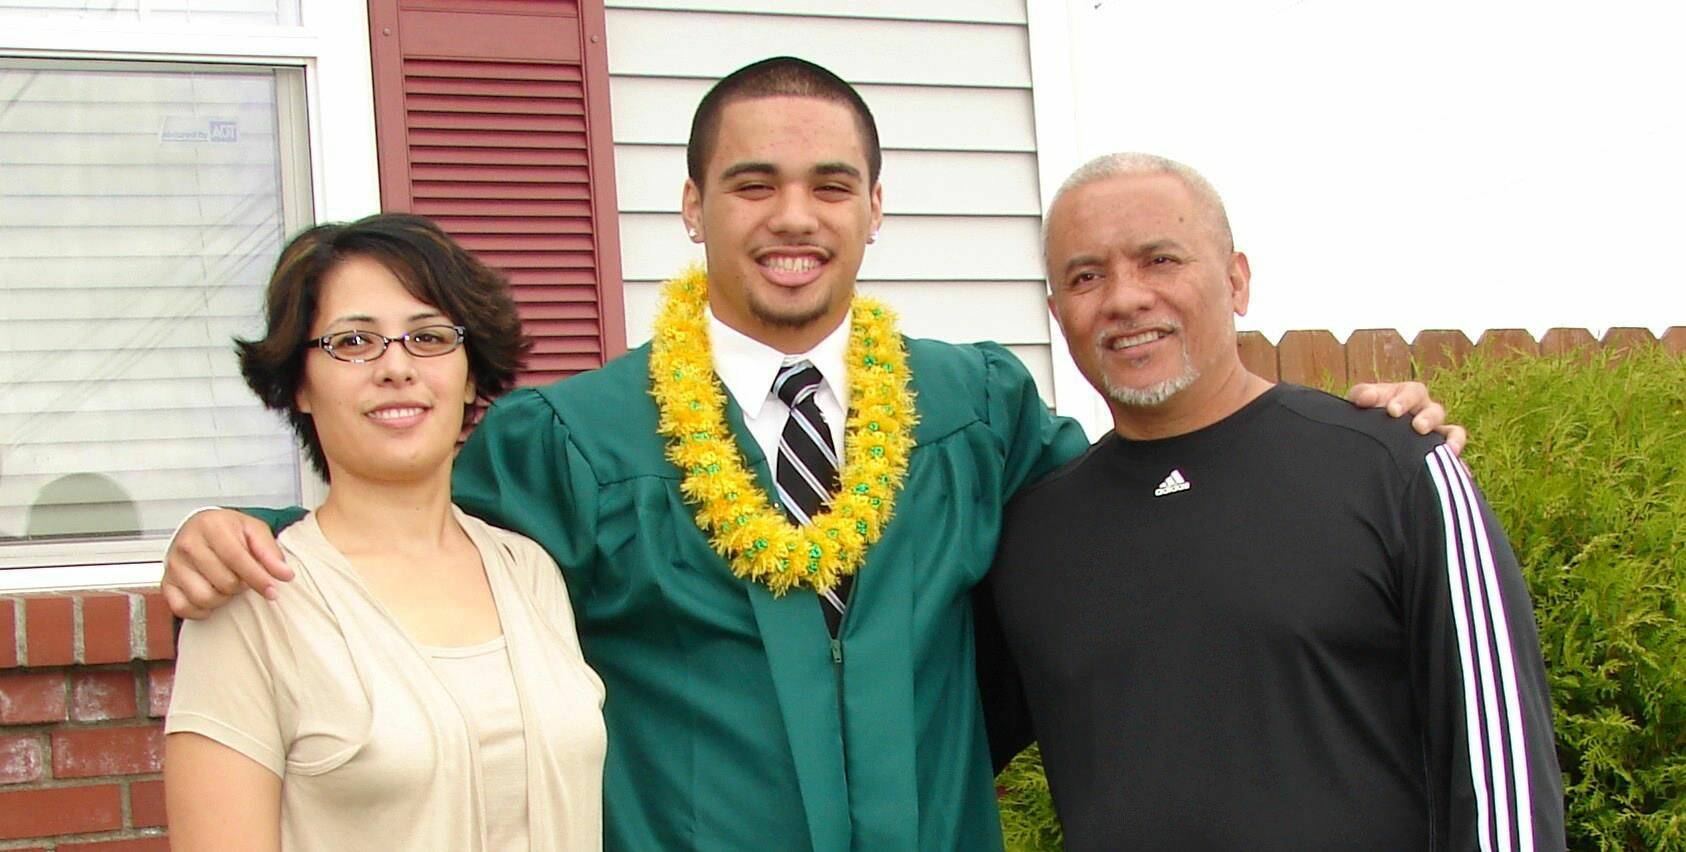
x,y
786,666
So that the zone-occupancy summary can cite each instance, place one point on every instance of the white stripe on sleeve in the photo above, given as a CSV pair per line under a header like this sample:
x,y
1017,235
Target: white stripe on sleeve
x,y
1460,617
1491,701
1517,743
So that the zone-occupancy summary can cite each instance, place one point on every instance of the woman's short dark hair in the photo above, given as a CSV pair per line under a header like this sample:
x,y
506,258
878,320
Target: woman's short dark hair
x,y
432,268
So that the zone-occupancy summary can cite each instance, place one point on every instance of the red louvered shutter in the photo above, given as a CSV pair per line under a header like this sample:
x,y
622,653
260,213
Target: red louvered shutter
x,y
492,118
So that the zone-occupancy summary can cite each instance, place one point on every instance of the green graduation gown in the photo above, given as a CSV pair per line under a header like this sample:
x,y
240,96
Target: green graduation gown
x,y
734,721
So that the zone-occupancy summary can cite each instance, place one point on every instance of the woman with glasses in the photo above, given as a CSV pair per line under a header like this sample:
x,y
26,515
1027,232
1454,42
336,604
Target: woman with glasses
x,y
419,685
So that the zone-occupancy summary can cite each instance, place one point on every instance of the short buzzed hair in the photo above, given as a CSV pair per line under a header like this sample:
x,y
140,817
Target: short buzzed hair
x,y
780,76
1128,164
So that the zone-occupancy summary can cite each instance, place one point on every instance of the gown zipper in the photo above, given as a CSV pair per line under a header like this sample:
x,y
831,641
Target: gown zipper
x,y
837,662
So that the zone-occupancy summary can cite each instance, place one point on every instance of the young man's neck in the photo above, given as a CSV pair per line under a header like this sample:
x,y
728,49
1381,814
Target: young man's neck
x,y
789,339
361,514
1210,399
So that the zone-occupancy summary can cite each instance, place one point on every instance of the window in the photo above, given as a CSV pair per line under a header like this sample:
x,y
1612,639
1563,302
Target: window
x,y
142,206
156,11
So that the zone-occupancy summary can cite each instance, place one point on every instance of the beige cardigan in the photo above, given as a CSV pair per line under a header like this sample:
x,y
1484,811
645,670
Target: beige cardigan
x,y
326,690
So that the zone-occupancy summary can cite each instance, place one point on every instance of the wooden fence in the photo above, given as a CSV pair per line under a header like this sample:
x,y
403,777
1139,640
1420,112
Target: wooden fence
x,y
1316,357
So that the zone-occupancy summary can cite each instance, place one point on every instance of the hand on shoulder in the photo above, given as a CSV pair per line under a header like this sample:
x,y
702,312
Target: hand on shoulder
x,y
213,556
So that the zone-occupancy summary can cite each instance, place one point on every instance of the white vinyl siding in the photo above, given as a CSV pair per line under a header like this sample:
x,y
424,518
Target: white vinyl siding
x,y
860,50
657,111
949,83
923,183
967,11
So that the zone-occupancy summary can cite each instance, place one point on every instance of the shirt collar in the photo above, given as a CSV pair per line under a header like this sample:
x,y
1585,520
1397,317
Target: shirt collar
x,y
747,366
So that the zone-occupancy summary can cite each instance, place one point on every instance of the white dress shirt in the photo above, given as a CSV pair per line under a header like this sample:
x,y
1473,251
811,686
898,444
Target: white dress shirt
x,y
747,367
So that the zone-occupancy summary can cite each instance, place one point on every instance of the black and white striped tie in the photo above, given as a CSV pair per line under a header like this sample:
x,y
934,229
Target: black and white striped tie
x,y
806,474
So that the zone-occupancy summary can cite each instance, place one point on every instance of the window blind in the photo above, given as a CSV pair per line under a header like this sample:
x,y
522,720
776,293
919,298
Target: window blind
x,y
141,209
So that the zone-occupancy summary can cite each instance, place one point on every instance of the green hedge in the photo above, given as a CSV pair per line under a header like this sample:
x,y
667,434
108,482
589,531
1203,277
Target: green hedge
x,y
1586,466
1027,814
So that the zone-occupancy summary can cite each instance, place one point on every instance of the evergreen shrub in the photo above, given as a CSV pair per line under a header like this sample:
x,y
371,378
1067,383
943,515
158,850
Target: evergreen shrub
x,y
1028,823
1585,464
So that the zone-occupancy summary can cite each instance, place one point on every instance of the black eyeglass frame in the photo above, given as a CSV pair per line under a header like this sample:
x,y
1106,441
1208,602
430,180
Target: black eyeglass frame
x,y
325,343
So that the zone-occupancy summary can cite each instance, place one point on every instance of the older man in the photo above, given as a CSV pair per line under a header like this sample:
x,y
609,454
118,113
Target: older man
x,y
787,666
1253,616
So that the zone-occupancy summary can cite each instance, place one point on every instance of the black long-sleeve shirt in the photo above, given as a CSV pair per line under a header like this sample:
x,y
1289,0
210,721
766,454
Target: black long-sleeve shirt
x,y
1298,628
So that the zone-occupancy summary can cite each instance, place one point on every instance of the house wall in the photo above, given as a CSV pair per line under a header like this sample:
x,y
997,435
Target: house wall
x,y
949,83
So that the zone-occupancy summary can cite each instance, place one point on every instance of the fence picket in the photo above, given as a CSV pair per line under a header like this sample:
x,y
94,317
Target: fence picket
x,y
1437,348
1377,355
1674,340
1507,343
1623,339
1313,358
1560,342
1257,354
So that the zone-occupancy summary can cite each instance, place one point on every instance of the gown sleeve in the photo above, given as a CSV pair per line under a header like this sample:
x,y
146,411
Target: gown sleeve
x,y
1035,440
277,519
521,470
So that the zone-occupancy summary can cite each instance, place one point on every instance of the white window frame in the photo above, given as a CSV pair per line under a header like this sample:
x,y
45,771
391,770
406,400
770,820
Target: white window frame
x,y
331,45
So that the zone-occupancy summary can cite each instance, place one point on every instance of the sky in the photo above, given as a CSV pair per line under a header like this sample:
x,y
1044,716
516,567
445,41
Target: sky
x,y
1414,165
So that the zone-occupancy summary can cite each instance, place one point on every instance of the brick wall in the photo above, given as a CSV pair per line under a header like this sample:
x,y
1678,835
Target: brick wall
x,y
84,681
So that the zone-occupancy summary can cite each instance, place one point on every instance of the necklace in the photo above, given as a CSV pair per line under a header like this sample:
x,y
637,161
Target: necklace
x,y
742,523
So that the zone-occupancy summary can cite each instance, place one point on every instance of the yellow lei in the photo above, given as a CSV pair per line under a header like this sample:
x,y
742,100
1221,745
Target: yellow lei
x,y
741,521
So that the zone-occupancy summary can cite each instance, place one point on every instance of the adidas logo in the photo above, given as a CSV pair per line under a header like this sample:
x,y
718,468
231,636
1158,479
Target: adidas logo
x,y
1172,484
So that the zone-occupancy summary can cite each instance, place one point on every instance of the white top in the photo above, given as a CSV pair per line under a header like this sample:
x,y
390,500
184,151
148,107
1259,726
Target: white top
x,y
480,679
747,367
325,689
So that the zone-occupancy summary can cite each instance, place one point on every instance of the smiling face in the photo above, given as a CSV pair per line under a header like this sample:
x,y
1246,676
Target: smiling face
x,y
784,214
1145,288
395,418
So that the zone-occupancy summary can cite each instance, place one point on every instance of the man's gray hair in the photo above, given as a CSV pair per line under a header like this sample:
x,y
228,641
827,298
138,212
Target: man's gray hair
x,y
1127,164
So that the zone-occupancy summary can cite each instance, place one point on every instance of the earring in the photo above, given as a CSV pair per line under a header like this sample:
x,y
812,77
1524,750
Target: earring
x,y
691,232
872,237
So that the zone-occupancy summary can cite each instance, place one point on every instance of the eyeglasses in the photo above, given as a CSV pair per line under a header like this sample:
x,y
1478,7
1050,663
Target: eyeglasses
x,y
359,347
